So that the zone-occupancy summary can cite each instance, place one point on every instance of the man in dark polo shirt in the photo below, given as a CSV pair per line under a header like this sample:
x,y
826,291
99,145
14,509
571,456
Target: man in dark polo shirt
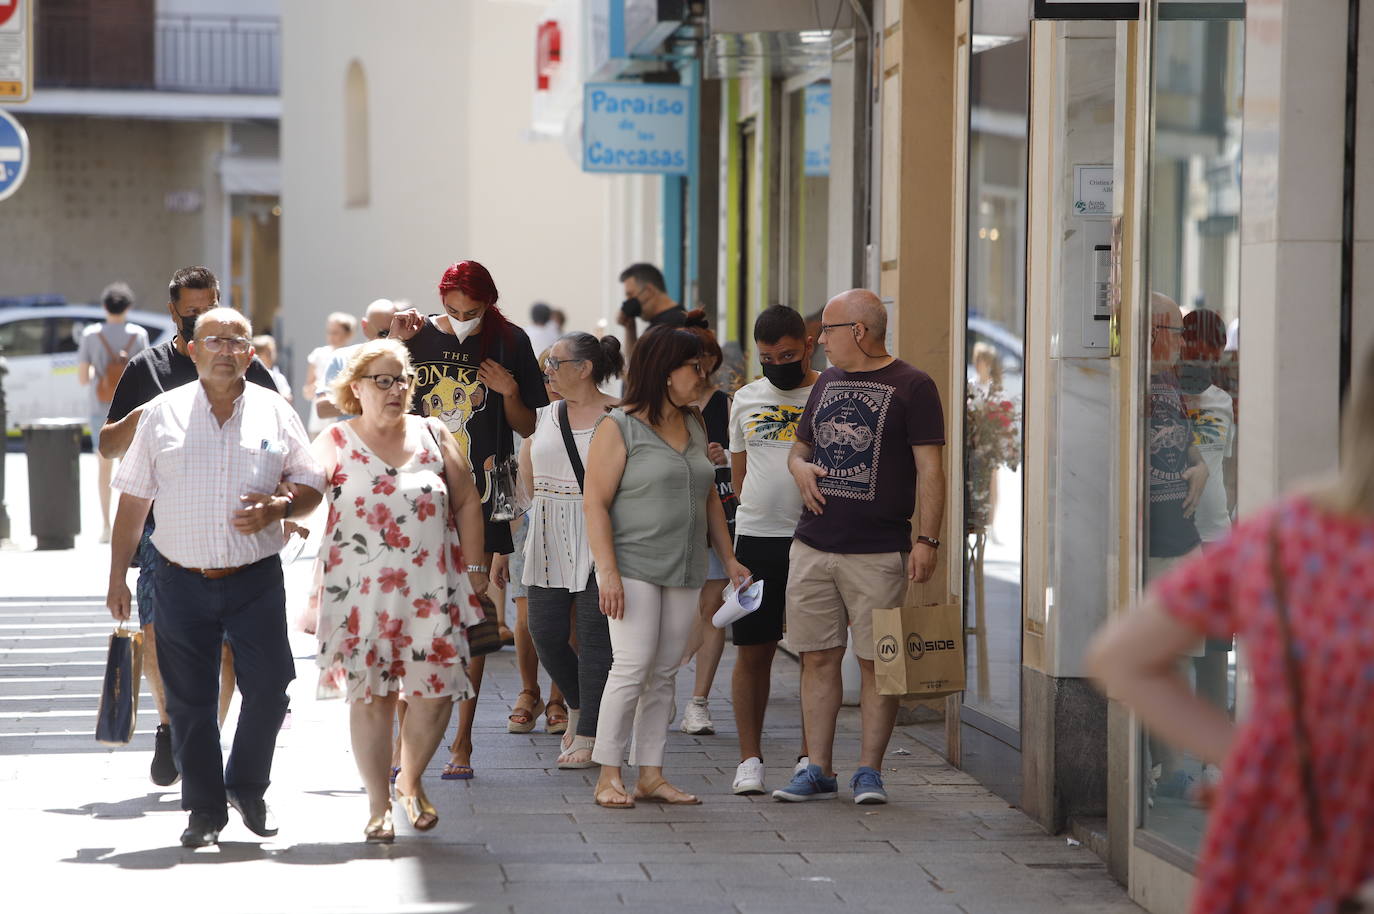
x,y
870,439
191,292
645,298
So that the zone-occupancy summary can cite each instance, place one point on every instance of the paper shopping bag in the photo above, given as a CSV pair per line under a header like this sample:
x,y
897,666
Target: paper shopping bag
x,y
918,649
114,725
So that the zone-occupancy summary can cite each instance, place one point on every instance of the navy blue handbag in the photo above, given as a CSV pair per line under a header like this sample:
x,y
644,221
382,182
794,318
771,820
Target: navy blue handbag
x,y
114,725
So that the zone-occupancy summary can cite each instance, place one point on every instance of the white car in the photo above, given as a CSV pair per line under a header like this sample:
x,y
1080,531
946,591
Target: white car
x,y
39,345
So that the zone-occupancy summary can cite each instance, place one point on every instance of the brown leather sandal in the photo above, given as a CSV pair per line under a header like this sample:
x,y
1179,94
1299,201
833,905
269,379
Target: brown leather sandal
x,y
665,793
615,796
555,723
522,718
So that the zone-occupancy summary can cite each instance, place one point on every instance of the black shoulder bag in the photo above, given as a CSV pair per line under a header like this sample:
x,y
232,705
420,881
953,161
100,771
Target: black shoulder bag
x,y
509,499
573,457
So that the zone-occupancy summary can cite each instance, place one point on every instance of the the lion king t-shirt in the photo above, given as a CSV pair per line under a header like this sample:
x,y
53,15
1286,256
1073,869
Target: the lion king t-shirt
x,y
862,426
446,386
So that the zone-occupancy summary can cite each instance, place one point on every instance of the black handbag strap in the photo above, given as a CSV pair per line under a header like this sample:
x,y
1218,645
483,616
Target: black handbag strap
x,y
1301,739
573,457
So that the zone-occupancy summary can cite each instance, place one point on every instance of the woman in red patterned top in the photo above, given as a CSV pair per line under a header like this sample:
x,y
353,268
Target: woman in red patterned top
x,y
1267,848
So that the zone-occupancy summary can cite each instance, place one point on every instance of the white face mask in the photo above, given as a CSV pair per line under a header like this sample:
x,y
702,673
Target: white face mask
x,y
464,329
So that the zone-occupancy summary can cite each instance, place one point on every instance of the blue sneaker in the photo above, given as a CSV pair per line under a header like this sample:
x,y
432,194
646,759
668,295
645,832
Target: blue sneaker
x,y
867,785
808,784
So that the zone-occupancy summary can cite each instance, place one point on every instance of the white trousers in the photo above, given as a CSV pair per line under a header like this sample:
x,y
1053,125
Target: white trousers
x,y
646,647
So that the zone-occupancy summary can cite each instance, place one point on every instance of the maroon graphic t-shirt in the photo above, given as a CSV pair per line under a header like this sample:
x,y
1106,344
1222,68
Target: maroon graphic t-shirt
x,y
862,426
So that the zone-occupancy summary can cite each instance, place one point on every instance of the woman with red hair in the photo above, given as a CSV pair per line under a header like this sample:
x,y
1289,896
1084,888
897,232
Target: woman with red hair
x,y
476,373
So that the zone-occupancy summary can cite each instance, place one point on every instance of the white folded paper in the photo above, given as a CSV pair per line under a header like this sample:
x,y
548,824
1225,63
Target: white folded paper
x,y
738,604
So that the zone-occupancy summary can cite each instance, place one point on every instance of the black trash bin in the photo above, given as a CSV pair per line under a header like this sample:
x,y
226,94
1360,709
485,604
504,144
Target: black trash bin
x,y
54,454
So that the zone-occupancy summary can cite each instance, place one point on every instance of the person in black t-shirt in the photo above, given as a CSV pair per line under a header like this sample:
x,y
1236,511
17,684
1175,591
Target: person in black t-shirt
x,y
476,372
645,298
192,292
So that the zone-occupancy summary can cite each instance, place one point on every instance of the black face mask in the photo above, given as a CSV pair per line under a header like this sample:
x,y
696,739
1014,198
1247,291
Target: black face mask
x,y
188,327
786,376
1194,377
632,307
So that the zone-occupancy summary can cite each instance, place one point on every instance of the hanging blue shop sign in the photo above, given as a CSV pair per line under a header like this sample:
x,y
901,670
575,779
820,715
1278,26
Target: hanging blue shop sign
x,y
816,129
636,127
14,154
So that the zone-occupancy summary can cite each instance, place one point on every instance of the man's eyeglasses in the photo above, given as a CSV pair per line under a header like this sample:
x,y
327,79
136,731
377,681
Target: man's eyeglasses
x,y
552,362
238,345
384,381
826,328
1157,329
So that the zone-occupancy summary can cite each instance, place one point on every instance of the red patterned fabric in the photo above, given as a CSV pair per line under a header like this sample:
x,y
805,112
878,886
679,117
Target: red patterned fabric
x,y
395,602
1258,855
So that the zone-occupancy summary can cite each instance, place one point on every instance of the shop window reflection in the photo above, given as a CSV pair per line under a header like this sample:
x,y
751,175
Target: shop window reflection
x,y
1193,400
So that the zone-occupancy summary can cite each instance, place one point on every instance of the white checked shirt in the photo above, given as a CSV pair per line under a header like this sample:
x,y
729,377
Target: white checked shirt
x,y
196,470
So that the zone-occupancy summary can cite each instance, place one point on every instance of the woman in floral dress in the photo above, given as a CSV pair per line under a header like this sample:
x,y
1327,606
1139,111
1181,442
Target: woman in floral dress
x,y
395,608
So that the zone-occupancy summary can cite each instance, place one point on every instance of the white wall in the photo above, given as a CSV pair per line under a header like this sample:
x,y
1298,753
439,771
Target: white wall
x,y
453,176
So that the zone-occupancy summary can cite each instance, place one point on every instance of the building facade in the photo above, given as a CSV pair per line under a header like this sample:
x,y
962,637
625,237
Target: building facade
x,y
1023,182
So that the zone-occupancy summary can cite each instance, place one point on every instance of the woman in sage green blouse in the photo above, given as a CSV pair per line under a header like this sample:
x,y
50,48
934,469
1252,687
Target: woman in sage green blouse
x,y
650,499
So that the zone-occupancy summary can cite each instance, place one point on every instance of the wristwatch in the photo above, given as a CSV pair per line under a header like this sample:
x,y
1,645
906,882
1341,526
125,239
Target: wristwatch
x,y
290,497
477,569
930,541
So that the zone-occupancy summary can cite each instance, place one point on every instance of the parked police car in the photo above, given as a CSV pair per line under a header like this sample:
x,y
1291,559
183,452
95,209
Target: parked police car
x,y
39,337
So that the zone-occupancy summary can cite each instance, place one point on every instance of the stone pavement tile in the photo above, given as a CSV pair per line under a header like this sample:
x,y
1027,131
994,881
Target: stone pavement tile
x,y
743,868
641,852
791,893
572,872
633,894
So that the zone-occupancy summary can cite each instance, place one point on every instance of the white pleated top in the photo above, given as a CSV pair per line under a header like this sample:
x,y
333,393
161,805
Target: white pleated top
x,y
557,553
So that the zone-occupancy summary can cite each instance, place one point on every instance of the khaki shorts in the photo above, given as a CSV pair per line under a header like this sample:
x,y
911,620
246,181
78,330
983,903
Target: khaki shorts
x,y
827,590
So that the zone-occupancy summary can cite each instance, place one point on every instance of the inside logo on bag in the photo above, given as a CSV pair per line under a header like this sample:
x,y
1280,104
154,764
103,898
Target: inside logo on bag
x,y
887,648
916,646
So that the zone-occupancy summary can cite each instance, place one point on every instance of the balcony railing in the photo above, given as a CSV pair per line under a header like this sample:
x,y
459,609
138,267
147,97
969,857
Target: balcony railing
x,y
226,54
190,53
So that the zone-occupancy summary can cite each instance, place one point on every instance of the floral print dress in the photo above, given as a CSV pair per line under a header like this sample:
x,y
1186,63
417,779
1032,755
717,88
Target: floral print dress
x,y
394,605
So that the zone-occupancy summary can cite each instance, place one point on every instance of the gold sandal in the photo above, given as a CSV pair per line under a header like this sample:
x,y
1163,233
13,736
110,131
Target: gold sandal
x,y
380,829
418,807
615,796
666,793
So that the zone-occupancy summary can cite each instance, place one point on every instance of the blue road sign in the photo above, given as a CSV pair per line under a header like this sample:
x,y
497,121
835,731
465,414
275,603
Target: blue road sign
x,y
14,154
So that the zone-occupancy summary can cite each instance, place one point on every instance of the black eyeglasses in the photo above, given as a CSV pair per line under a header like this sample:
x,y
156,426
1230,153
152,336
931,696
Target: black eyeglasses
x,y
238,345
552,362
826,328
384,381
1156,330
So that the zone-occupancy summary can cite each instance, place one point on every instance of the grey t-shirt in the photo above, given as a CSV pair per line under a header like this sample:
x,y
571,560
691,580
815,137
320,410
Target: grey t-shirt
x,y
130,339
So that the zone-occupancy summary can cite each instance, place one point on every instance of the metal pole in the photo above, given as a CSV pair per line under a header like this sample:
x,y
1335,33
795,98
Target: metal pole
x,y
4,448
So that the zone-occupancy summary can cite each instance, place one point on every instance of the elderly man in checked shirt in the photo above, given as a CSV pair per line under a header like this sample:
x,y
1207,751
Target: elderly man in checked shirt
x,y
226,462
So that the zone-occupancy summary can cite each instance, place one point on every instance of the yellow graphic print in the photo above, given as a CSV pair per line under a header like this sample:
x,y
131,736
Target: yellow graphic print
x,y
774,423
1209,428
454,401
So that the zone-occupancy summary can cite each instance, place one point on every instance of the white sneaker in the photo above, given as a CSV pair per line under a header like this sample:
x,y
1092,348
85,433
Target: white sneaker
x,y
803,763
696,720
749,777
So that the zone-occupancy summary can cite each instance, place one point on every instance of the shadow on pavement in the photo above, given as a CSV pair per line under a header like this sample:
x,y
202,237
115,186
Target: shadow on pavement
x,y
132,808
164,858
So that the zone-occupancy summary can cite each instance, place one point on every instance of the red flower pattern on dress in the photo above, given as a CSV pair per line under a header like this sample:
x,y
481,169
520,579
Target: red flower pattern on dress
x,y
442,650
379,516
393,537
409,639
339,477
391,579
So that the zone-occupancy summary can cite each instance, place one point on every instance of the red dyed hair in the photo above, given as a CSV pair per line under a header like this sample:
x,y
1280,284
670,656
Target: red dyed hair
x,y
474,281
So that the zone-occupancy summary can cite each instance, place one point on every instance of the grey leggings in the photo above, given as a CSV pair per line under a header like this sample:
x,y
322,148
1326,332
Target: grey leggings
x,y
580,674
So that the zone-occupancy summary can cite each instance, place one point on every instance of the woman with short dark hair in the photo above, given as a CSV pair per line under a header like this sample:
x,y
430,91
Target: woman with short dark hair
x,y
650,500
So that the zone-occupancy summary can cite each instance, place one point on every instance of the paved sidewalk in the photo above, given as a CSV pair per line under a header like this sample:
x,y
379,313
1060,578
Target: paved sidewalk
x,y
86,831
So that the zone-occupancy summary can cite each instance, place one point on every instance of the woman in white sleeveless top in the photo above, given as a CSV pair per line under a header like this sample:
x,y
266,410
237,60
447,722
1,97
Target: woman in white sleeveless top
x,y
558,563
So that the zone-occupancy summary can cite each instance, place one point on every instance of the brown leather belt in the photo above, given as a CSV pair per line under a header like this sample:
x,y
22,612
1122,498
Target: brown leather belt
x,y
211,573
